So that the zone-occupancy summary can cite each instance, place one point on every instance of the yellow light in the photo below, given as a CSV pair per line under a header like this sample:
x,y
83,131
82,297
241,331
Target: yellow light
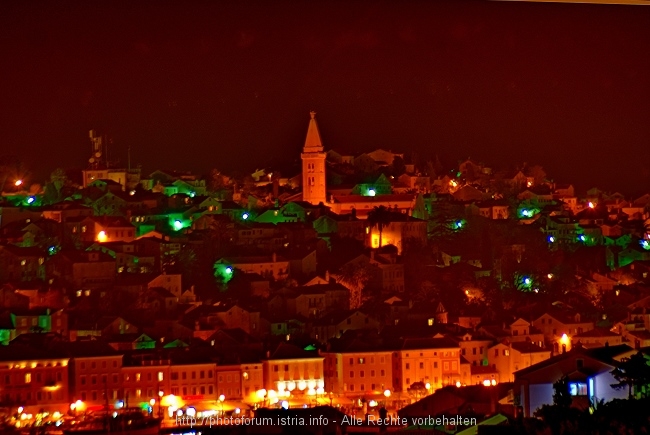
x,y
102,237
261,393
152,402
387,393
56,415
427,386
458,384
486,383
222,398
591,204
564,339
302,385
18,183
494,381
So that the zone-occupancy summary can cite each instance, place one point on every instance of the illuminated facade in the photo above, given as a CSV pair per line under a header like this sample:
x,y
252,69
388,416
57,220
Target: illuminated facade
x,y
313,166
28,381
359,373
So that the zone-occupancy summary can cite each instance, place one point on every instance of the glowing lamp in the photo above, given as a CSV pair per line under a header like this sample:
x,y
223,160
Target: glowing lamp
x,y
222,398
486,383
458,384
229,270
582,237
551,239
178,225
372,403
18,183
284,404
494,382
386,393
291,385
152,402
245,216
321,383
645,245
102,237
564,339
527,281
302,385
427,386
30,200
590,205
371,192
311,384
261,393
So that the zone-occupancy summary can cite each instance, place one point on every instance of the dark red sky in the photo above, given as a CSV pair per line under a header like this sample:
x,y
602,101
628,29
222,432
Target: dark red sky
x,y
196,85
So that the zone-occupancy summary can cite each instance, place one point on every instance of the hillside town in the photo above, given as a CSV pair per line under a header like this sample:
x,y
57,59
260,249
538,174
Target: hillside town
x,y
377,281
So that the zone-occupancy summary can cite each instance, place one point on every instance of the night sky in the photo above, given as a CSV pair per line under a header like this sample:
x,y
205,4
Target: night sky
x,y
203,84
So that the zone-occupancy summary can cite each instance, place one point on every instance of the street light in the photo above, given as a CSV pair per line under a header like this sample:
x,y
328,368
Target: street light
x,y
221,399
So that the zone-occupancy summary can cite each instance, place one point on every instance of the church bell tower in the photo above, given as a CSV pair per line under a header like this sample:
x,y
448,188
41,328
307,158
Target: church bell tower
x,y
313,165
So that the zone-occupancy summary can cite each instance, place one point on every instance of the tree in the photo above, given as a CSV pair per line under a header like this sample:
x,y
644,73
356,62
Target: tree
x,y
379,217
561,394
398,167
355,276
417,390
632,372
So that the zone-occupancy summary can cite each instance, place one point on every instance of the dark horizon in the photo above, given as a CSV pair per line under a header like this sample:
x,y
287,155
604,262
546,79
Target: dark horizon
x,y
187,86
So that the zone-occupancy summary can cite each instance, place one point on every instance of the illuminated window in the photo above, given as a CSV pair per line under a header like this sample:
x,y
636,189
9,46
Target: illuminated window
x,y
28,378
138,393
160,376
137,378
578,389
430,322
23,262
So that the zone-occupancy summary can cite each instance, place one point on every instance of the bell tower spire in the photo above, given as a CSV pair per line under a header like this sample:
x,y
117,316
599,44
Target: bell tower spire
x,y
313,165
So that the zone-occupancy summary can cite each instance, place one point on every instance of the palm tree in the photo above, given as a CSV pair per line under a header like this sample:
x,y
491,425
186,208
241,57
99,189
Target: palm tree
x,y
379,217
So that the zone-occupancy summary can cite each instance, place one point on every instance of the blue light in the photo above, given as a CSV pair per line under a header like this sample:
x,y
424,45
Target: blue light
x,y
527,281
178,225
645,245
371,192
582,237
459,224
229,270
551,239
245,216
30,200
